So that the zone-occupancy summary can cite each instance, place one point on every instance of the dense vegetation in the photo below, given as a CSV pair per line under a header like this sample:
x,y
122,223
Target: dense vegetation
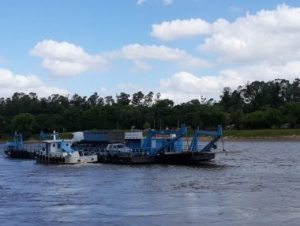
x,y
256,105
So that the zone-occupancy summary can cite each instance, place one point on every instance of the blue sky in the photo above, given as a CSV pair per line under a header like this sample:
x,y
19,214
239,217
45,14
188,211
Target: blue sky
x,y
183,49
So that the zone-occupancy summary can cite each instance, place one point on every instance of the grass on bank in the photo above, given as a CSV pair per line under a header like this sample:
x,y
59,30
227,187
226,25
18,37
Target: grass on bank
x,y
262,133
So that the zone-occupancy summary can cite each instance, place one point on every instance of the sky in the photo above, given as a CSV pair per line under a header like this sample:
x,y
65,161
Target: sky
x,y
184,49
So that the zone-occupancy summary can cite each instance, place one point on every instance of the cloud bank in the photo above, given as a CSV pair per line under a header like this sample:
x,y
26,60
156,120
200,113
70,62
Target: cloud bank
x,y
66,59
170,30
11,83
141,53
184,86
268,35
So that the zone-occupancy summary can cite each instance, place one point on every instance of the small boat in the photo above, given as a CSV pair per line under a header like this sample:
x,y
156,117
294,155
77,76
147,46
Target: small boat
x,y
17,149
60,151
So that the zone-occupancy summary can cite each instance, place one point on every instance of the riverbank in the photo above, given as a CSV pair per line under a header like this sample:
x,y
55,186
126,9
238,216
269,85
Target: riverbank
x,y
263,134
280,138
259,134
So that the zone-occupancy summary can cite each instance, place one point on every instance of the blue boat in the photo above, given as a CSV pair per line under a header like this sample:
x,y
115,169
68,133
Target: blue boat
x,y
163,146
17,149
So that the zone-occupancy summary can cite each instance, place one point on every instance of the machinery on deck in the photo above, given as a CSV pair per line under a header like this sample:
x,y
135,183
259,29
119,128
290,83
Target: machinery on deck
x,y
176,150
216,135
160,141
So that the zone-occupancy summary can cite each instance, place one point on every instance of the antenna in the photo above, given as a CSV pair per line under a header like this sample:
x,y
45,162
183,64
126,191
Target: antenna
x,y
54,135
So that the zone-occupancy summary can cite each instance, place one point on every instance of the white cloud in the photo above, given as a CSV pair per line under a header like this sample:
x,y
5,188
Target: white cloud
x,y
269,36
184,86
165,2
141,65
139,53
140,2
66,59
11,83
170,30
265,72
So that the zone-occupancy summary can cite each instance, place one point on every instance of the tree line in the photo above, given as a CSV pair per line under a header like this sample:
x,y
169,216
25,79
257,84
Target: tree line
x,y
273,104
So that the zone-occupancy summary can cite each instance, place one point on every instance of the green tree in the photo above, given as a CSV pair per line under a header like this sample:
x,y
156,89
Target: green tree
x,y
146,125
24,123
93,100
109,100
148,99
123,99
2,123
137,98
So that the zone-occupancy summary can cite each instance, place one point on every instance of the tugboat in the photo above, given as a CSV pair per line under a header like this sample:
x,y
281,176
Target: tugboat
x,y
60,151
16,148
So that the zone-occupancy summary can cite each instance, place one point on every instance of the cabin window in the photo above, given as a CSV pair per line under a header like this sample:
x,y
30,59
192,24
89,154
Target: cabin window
x,y
53,145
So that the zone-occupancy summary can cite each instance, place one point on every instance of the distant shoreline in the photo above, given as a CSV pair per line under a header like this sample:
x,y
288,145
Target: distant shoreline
x,y
280,138
228,135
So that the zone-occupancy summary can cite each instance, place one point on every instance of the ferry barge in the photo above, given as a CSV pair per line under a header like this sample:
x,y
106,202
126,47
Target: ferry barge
x,y
162,146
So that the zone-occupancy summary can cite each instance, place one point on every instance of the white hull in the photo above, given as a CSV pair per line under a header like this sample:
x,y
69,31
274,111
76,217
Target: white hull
x,y
82,159
63,158
54,153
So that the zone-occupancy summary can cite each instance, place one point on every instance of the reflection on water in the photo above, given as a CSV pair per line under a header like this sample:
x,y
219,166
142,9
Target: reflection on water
x,y
256,183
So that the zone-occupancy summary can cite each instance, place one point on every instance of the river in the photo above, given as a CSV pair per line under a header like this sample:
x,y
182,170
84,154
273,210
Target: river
x,y
256,183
